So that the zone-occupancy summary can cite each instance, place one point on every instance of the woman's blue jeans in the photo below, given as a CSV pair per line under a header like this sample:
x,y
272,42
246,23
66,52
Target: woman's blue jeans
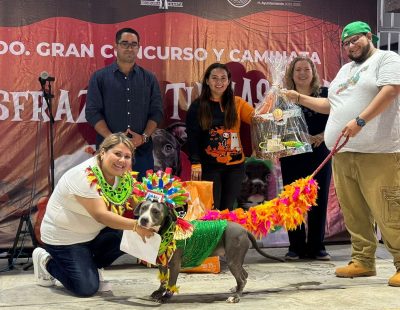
x,y
75,265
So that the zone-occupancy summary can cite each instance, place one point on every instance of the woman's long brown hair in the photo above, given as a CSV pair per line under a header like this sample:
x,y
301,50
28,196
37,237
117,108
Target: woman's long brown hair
x,y
227,101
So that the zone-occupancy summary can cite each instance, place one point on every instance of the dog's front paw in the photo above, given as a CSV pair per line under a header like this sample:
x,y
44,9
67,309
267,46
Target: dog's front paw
x,y
165,297
233,299
156,295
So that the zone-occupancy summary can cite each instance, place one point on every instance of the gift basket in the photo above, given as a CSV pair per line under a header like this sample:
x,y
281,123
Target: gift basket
x,y
278,127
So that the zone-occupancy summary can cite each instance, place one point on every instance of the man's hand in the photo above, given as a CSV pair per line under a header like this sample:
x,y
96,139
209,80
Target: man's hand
x,y
136,138
291,95
351,129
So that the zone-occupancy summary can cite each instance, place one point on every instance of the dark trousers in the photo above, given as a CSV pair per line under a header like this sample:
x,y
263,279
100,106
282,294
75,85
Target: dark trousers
x,y
227,182
300,166
75,265
144,161
316,220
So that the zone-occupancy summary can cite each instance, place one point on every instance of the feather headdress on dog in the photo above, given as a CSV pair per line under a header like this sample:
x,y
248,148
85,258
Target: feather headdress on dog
x,y
162,186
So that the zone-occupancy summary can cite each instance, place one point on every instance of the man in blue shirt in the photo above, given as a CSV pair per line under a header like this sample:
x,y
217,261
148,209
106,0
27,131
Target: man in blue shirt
x,y
124,97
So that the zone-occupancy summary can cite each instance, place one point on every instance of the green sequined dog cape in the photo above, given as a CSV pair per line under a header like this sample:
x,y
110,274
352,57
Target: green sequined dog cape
x,y
202,243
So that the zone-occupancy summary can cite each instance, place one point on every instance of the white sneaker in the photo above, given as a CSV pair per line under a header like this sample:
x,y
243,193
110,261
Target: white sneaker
x,y
40,259
104,286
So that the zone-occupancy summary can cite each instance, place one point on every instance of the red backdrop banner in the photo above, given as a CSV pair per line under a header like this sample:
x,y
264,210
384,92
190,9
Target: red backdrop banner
x,y
179,39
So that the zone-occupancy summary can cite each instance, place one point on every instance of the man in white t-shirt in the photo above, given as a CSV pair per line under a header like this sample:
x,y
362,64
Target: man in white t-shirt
x,y
364,105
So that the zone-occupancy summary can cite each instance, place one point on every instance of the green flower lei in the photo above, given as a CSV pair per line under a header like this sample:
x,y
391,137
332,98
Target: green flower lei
x,y
117,199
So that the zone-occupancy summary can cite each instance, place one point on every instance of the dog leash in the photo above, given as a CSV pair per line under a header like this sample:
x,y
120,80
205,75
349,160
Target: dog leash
x,y
334,150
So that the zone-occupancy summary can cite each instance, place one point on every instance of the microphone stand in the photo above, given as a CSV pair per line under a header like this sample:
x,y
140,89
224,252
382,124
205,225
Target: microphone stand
x,y
26,218
48,96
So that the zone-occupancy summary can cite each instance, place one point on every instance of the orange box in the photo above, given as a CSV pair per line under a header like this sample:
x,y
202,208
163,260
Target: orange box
x,y
210,265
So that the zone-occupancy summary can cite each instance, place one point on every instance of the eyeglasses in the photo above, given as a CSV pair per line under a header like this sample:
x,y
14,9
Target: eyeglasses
x,y
125,44
353,41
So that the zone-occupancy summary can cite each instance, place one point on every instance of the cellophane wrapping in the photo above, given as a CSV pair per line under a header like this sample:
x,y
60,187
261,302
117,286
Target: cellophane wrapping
x,y
278,127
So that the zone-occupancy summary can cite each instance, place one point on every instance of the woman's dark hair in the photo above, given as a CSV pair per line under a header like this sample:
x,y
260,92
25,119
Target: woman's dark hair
x,y
315,86
227,101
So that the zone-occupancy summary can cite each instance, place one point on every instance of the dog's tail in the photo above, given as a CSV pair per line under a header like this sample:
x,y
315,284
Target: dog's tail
x,y
255,245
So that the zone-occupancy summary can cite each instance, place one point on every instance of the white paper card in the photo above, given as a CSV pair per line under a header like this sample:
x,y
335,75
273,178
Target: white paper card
x,y
133,244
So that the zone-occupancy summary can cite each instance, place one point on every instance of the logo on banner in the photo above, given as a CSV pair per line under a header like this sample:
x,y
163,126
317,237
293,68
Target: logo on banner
x,y
239,3
162,4
287,3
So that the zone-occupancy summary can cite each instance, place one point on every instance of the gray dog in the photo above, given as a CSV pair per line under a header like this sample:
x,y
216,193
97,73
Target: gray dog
x,y
234,244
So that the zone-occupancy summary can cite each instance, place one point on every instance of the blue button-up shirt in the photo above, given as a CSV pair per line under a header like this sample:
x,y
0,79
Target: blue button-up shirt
x,y
123,101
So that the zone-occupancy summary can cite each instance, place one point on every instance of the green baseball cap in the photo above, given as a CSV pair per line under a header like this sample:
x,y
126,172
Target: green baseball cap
x,y
356,28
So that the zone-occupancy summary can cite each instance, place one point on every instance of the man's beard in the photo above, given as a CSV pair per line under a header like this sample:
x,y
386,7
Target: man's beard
x,y
364,54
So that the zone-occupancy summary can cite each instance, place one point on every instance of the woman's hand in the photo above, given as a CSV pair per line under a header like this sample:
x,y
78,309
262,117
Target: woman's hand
x,y
144,233
317,139
196,172
97,208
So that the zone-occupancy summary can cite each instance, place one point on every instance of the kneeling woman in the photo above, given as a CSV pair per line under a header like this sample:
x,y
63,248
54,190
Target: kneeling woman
x,y
80,232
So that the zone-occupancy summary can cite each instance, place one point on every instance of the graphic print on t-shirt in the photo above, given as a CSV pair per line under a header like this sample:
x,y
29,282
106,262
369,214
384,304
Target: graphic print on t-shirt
x,y
224,145
351,81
